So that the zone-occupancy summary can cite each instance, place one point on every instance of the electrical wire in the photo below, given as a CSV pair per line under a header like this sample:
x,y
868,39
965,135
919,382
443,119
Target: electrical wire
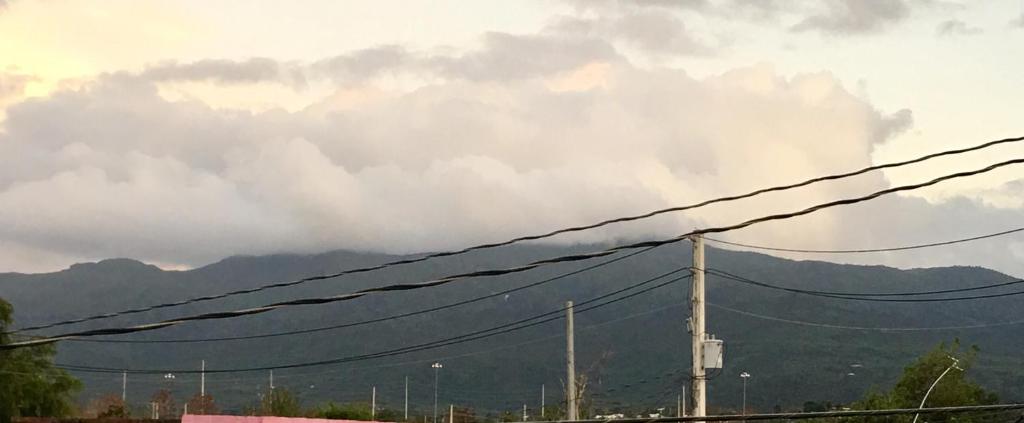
x,y
377,320
527,238
497,272
727,275
888,300
866,250
480,334
862,328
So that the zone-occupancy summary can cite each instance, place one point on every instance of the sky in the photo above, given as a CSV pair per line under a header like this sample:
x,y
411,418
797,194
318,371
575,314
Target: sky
x,y
182,132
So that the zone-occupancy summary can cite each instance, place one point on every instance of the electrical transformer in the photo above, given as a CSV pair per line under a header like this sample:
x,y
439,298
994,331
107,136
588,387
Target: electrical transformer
x,y
712,353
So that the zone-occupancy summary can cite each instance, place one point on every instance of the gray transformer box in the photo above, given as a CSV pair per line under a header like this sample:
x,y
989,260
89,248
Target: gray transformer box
x,y
712,353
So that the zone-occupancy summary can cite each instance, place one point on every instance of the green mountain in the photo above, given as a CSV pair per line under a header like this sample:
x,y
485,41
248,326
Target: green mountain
x,y
635,352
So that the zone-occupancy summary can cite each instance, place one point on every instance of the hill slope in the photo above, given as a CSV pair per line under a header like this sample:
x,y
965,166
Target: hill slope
x,y
636,350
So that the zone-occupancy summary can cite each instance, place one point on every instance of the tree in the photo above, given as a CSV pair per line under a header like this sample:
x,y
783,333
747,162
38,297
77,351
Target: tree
x,y
202,404
163,402
280,402
953,390
30,386
108,406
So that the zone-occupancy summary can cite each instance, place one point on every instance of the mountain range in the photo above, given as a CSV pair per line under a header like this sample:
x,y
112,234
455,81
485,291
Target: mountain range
x,y
635,352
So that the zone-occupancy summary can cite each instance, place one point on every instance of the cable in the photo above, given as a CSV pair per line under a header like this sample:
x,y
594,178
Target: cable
x,y
888,300
480,334
497,272
868,250
727,275
866,328
365,322
526,238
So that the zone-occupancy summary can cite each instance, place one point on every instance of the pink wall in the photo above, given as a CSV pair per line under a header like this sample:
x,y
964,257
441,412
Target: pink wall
x,y
193,418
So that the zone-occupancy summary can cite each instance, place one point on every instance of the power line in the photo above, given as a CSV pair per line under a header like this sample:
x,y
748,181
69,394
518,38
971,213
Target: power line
x,y
864,328
526,238
732,276
480,334
867,298
497,272
377,320
866,250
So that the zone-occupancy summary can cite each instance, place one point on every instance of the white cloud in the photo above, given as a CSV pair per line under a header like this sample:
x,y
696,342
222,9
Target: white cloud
x,y
114,169
844,17
956,27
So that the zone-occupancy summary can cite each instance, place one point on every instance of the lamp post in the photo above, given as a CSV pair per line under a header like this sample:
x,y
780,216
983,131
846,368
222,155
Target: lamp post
x,y
745,376
955,365
437,367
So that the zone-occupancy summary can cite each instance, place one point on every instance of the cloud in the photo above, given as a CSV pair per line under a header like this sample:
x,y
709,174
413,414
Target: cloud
x,y
1018,23
850,17
368,63
956,27
114,169
225,71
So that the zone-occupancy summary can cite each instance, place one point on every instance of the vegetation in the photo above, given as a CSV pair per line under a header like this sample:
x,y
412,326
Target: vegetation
x,y
109,406
280,402
30,386
954,389
202,404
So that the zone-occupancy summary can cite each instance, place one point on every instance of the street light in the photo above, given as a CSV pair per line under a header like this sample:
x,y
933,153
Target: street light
x,y
745,376
955,365
437,367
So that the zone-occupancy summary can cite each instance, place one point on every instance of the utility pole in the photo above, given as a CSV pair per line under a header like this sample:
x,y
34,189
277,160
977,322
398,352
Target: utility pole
x,y
271,380
451,413
124,386
202,380
697,327
437,368
679,406
407,398
373,404
542,400
570,368
524,412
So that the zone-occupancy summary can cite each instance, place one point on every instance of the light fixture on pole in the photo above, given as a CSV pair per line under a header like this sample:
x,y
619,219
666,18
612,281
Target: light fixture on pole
x,y
437,367
954,365
745,376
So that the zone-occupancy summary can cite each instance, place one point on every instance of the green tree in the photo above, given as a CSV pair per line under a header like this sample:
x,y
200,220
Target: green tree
x,y
280,402
953,390
351,411
30,386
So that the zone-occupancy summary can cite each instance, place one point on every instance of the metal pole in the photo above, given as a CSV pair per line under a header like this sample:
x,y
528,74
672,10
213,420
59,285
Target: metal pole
x,y
524,412
437,367
271,380
951,367
373,404
542,400
698,334
124,386
570,367
451,413
407,398
744,412
202,380
679,406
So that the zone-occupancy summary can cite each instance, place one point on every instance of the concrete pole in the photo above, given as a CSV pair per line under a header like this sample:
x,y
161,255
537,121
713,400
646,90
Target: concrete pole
x,y
373,404
570,368
698,335
124,386
451,413
407,398
524,412
542,400
202,380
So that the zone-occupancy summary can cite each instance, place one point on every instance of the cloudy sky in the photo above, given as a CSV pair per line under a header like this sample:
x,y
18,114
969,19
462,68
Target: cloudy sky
x,y
182,132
